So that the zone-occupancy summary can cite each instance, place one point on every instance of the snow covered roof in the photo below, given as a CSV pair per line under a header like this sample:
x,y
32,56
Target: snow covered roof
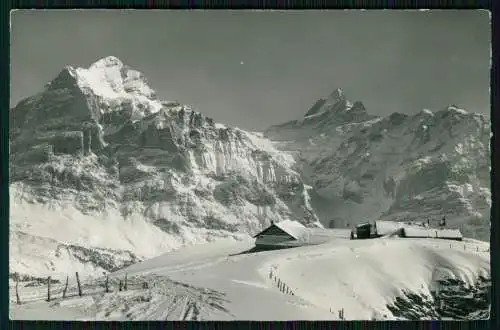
x,y
414,231
449,233
410,230
328,234
387,227
293,228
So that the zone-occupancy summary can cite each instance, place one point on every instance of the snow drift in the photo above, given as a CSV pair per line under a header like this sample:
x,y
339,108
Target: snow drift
x,y
400,167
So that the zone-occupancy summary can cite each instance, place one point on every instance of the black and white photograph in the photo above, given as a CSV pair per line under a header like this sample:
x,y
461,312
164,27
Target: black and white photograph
x,y
259,165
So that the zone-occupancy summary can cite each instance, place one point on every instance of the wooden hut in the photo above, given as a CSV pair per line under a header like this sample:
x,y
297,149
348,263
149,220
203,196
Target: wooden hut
x,y
285,233
363,230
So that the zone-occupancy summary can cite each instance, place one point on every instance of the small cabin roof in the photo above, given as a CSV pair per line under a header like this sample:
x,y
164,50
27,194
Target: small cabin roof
x,y
292,228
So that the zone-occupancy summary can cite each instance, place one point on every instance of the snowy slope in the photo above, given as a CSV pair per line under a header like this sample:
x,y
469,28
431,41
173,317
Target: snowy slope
x,y
400,167
97,161
363,277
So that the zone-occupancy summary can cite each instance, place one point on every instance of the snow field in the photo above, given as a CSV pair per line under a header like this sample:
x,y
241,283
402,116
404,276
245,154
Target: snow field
x,y
363,276
164,299
357,276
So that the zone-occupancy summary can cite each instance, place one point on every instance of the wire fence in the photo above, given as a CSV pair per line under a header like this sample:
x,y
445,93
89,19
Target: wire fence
x,y
50,289
463,246
280,284
285,288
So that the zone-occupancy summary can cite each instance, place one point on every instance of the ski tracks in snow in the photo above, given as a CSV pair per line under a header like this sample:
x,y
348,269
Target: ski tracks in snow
x,y
165,299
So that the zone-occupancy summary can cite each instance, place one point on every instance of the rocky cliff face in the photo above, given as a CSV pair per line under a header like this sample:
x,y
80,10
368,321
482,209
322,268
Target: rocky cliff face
x,y
400,167
103,173
97,161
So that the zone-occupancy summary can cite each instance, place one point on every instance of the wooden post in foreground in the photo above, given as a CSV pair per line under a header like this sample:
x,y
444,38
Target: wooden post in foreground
x,y
106,284
79,285
48,288
18,300
125,284
65,287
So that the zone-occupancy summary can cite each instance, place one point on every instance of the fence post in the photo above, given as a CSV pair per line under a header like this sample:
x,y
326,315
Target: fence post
x,y
48,288
79,285
120,286
106,284
125,285
18,300
65,287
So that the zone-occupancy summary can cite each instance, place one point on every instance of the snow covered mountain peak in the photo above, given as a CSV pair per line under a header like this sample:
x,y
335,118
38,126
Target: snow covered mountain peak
x,y
335,102
109,77
456,109
336,107
398,167
108,61
426,112
109,85
357,106
337,95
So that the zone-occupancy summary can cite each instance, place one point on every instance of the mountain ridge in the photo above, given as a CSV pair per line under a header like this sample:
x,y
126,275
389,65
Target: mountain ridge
x,y
99,162
349,159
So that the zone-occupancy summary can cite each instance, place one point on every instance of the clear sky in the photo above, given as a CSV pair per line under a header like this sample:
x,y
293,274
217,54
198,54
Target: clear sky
x,y
252,69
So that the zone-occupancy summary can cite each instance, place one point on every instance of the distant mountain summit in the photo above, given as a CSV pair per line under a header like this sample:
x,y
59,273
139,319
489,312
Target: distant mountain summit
x,y
400,167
